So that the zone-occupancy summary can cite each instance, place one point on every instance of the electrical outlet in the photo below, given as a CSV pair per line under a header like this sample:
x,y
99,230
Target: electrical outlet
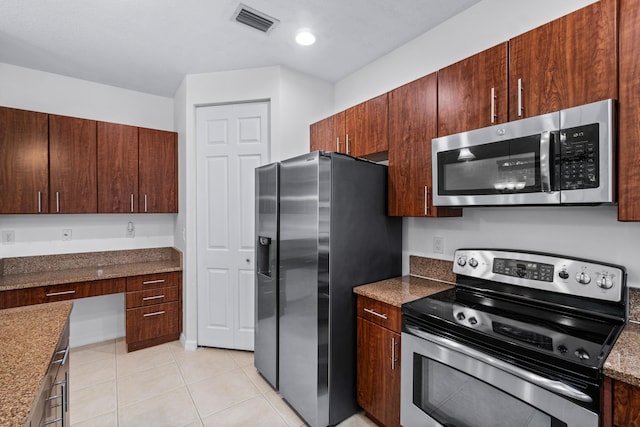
x,y
66,234
8,237
438,245
131,230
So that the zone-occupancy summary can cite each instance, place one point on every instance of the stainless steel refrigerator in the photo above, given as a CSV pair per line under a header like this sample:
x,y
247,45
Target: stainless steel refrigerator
x,y
321,229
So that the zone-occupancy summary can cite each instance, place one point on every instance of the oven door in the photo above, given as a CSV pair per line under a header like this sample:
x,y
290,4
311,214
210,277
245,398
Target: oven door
x,y
443,384
508,164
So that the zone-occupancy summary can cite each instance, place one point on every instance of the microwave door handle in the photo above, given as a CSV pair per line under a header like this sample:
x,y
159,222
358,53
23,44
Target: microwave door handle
x,y
545,162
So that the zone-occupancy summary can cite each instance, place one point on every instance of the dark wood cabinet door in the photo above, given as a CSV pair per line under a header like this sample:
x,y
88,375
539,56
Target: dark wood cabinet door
x,y
629,113
157,171
378,372
117,168
473,93
24,162
366,127
412,126
626,405
72,165
567,62
328,134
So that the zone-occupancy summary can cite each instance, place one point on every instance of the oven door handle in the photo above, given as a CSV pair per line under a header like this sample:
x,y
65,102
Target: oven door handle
x,y
555,386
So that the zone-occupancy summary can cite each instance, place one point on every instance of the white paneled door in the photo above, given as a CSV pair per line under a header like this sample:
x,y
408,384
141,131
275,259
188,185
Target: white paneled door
x,y
232,140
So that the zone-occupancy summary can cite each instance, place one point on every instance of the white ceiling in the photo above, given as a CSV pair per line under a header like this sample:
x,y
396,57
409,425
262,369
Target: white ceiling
x,y
150,45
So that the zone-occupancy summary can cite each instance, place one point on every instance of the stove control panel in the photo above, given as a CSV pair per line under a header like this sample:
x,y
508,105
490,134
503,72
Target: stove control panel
x,y
573,276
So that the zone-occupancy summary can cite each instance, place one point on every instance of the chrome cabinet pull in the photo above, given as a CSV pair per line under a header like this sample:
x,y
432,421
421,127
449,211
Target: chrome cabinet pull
x,y
150,298
493,105
131,202
426,198
156,313
151,282
57,201
53,294
337,144
382,316
520,97
62,361
39,201
393,353
145,203
347,138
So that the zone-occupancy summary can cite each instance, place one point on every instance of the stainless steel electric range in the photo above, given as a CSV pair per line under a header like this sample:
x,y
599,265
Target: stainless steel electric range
x,y
520,341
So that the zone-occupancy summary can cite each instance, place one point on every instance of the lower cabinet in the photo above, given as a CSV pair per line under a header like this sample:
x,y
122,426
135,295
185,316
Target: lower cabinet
x,y
626,405
154,309
378,361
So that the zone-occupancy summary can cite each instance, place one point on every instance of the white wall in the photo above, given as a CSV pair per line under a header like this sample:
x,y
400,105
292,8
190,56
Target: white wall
x,y
296,101
590,232
93,319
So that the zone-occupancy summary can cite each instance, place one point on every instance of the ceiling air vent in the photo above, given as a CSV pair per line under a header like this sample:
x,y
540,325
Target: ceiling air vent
x,y
254,19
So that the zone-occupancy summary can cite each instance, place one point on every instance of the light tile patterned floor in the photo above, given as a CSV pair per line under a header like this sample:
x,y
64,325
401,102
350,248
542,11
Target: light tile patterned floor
x,y
167,386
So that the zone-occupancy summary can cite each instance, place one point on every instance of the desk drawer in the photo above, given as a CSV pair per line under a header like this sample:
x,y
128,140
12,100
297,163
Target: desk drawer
x,y
152,322
44,294
152,296
151,281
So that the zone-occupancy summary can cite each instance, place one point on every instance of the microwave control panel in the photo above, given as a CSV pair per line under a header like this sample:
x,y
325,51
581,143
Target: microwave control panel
x,y
579,157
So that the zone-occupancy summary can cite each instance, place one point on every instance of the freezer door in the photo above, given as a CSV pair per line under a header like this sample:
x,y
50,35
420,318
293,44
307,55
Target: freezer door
x,y
304,299
266,293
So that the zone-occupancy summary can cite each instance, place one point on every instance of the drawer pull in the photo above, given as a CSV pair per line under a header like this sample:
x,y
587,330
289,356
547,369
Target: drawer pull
x,y
57,420
53,294
150,298
63,360
382,316
156,313
151,282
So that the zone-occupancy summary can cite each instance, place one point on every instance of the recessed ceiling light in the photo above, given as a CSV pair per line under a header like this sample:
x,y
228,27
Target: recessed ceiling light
x,y
305,37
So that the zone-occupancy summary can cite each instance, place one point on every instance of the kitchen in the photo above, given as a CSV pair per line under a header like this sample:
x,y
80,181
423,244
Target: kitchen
x,y
567,230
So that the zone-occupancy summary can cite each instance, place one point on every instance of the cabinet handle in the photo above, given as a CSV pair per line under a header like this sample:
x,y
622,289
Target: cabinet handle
x,y
520,97
145,203
382,316
53,294
493,105
156,313
63,360
57,201
151,282
54,421
347,138
150,298
39,202
426,198
393,353
131,202
337,144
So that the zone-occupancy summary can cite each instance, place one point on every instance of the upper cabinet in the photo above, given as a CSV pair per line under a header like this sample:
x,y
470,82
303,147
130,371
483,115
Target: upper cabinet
x,y
567,62
117,168
24,162
412,126
328,134
358,131
629,113
366,127
72,165
473,93
157,171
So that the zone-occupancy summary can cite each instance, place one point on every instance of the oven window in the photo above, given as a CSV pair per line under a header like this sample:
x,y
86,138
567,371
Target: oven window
x,y
455,399
497,168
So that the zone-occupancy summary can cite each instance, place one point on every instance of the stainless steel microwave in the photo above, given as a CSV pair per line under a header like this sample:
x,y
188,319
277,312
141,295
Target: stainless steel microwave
x,y
566,157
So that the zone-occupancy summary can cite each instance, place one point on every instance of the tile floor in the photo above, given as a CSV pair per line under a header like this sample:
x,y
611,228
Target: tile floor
x,y
167,386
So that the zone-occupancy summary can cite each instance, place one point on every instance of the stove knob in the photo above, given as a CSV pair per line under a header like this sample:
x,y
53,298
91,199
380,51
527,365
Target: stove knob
x,y
462,261
583,278
562,348
473,263
582,354
460,316
473,321
563,274
605,282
